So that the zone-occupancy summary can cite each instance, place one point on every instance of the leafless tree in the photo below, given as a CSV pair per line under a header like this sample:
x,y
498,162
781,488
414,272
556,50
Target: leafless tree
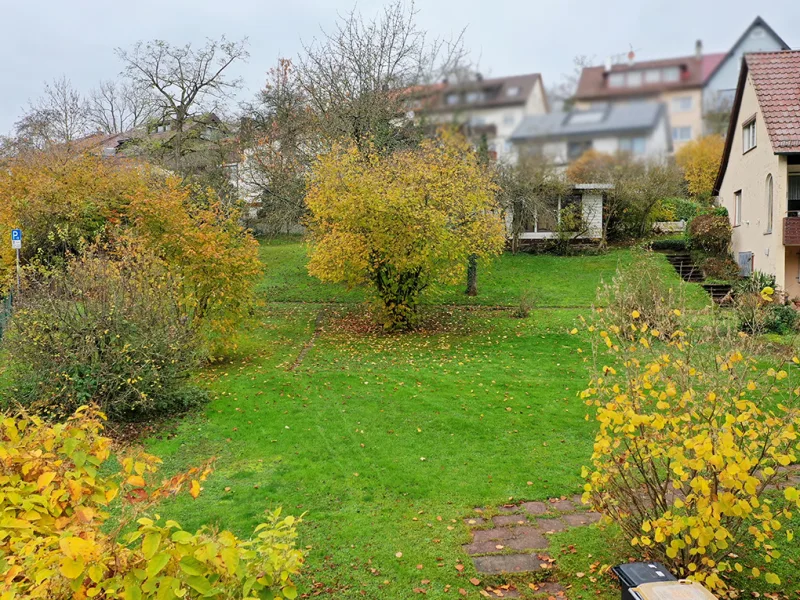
x,y
563,92
114,107
185,80
358,76
57,117
281,137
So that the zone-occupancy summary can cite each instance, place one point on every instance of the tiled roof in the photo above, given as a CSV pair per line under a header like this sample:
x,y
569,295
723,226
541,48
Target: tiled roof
x,y
497,91
776,79
593,84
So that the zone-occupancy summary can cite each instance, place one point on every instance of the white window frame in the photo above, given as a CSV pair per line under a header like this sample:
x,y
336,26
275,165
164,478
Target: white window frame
x,y
635,79
671,74
737,208
682,104
749,135
513,91
619,78
676,137
770,192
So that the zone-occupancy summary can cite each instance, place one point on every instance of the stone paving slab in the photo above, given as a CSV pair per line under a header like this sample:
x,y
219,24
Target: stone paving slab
x,y
507,563
581,518
507,509
485,535
563,506
534,508
548,525
483,547
550,588
533,540
506,520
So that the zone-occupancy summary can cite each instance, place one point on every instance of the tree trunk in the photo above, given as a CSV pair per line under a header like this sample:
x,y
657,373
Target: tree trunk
x,y
472,276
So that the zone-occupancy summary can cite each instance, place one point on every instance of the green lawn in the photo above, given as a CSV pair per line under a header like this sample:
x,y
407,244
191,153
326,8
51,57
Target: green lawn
x,y
387,442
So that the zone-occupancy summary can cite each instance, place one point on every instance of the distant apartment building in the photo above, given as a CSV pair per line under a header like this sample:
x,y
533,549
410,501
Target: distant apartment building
x,y
691,87
485,108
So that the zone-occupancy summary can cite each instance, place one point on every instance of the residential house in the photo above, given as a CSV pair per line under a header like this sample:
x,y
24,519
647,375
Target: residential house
x,y
720,83
641,129
490,108
759,177
690,86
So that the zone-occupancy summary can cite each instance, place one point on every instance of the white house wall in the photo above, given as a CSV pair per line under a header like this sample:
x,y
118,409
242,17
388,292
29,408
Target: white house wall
x,y
723,82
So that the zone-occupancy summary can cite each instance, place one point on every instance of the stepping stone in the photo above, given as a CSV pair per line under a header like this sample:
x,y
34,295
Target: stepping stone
x,y
506,520
485,535
475,521
532,539
507,509
563,506
506,563
582,518
577,500
483,547
548,525
535,508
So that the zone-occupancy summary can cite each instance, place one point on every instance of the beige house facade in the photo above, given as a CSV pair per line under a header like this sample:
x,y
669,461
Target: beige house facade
x,y
759,179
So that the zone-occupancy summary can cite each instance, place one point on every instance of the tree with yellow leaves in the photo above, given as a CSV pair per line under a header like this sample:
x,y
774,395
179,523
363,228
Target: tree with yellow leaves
x,y
700,161
401,222
688,442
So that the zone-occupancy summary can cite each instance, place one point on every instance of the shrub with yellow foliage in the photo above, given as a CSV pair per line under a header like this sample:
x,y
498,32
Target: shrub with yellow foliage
x,y
689,439
700,161
403,221
56,540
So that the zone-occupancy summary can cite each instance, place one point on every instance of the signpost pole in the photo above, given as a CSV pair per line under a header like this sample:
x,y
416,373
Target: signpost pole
x,y
16,244
18,277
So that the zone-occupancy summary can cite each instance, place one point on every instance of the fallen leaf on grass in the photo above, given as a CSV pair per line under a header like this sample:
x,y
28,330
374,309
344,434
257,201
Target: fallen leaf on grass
x,y
399,554
459,568
475,581
419,566
579,574
462,591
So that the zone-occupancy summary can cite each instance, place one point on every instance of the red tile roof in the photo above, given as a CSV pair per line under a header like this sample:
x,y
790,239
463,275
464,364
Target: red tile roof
x,y
776,79
593,84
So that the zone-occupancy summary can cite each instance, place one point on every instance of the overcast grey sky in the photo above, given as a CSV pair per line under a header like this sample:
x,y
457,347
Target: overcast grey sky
x,y
42,40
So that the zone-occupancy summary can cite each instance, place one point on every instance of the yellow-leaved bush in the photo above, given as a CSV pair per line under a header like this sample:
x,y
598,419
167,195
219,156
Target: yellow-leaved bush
x,y
57,540
403,221
692,433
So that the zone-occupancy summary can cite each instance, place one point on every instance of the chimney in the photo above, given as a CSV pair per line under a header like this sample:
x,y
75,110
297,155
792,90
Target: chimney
x,y
698,49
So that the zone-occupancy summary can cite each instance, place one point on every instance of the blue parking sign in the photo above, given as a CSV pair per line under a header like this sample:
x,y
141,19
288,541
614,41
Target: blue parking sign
x,y
16,234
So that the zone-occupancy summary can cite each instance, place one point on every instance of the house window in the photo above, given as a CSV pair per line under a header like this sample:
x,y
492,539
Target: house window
x,y
769,204
652,76
794,196
749,135
473,97
508,119
576,149
635,146
616,80
671,75
682,104
635,79
512,91
681,134
452,99
737,208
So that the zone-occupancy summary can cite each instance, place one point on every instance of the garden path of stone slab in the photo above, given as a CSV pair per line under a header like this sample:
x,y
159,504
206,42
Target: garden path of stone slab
x,y
516,540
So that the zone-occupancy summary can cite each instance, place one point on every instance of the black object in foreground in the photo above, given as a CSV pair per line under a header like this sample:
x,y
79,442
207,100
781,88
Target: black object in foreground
x,y
632,575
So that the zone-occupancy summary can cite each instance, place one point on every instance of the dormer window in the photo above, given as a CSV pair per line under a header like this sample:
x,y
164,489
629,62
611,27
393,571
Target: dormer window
x,y
512,91
672,74
616,80
473,97
652,76
452,99
635,79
